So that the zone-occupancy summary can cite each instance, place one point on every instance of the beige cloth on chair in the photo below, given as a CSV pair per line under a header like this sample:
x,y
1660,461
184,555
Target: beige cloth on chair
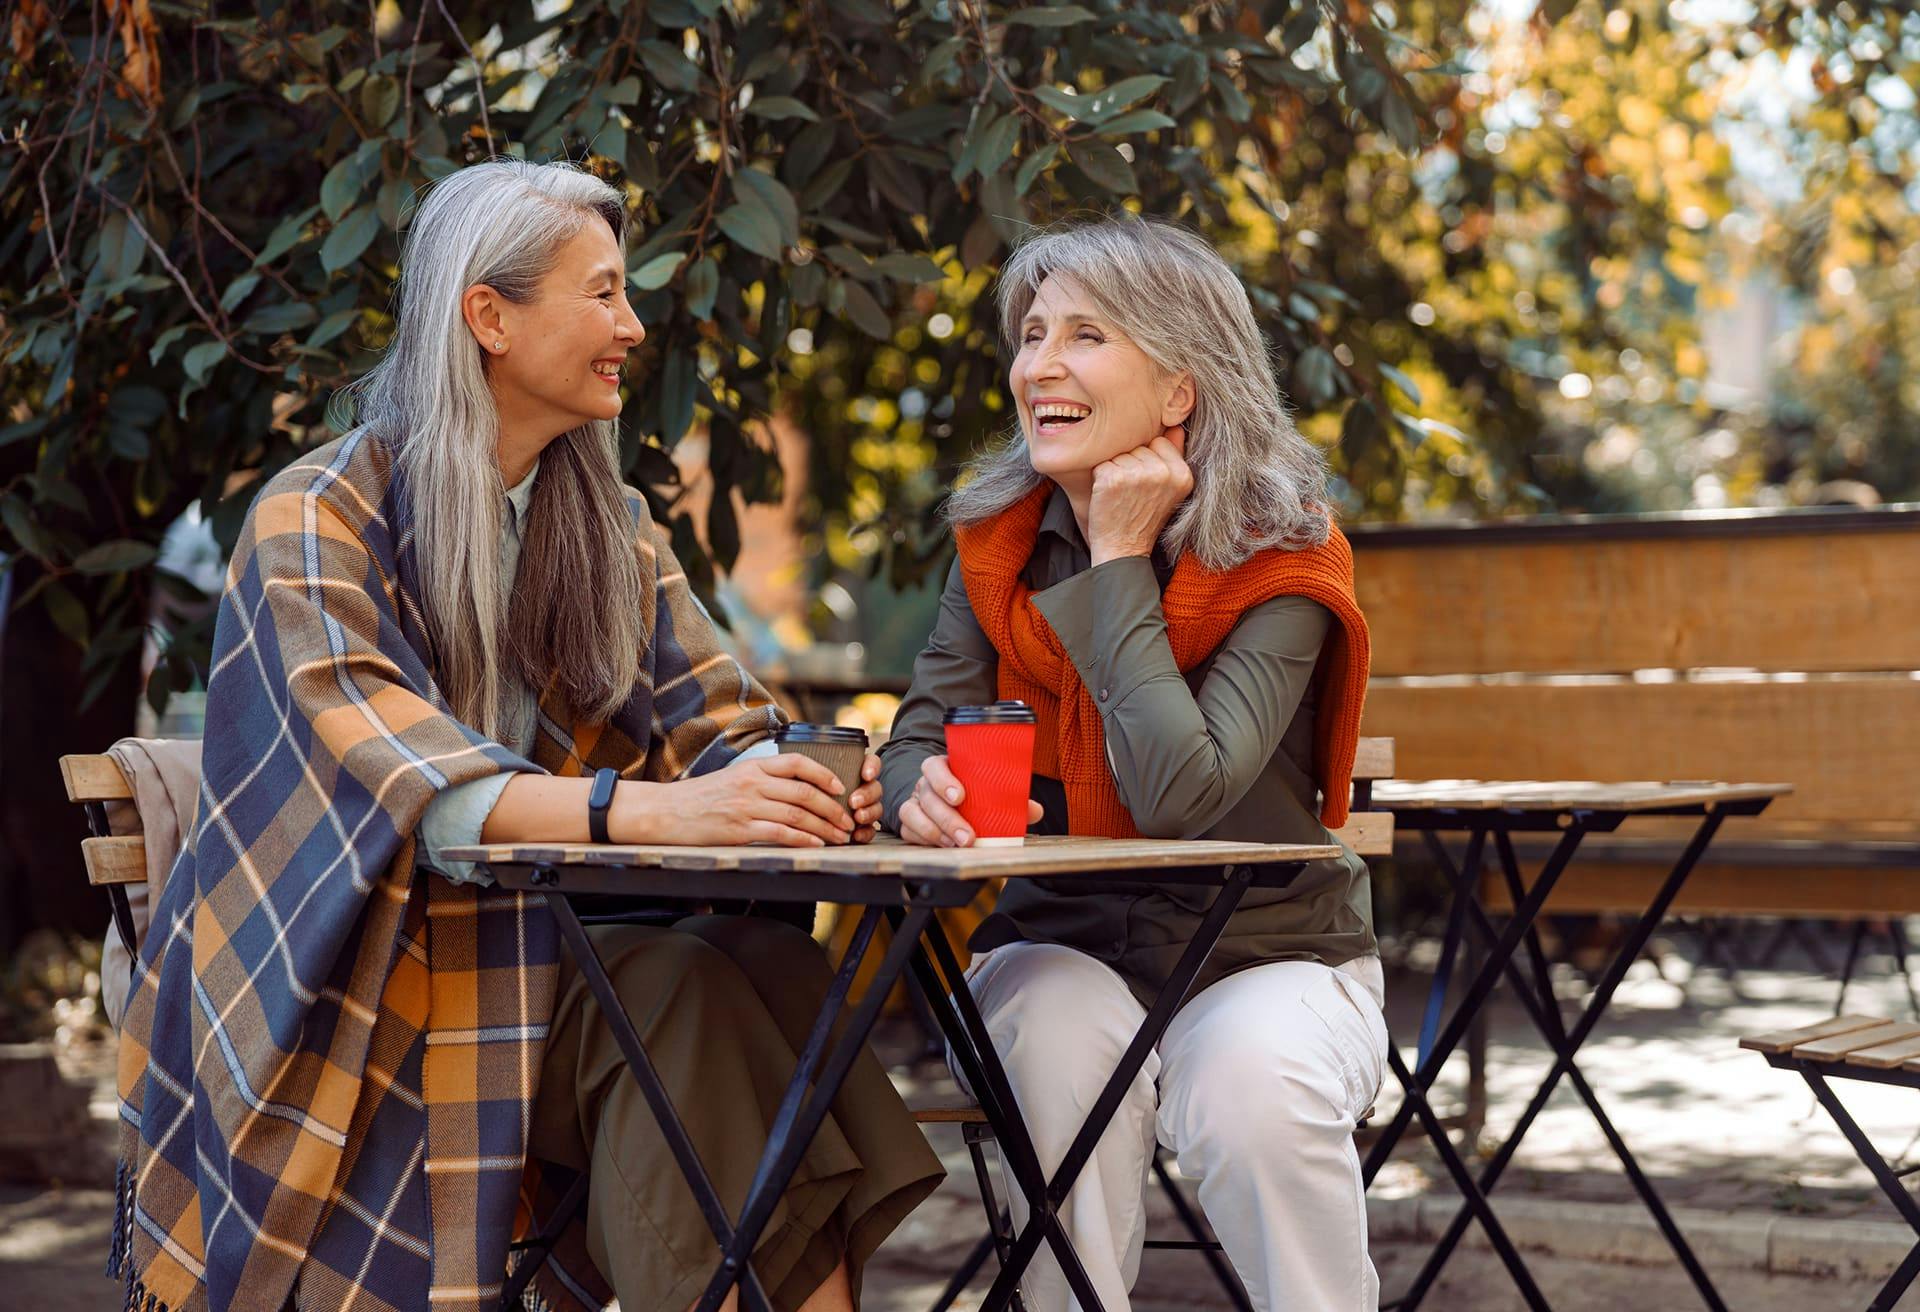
x,y
165,774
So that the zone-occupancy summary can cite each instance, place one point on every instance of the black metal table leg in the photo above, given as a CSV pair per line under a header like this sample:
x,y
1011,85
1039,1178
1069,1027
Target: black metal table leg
x,y
658,1102
781,1157
1477,991
972,1046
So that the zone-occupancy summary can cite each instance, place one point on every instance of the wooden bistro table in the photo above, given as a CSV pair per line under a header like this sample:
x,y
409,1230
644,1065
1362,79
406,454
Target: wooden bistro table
x,y
906,885
1495,811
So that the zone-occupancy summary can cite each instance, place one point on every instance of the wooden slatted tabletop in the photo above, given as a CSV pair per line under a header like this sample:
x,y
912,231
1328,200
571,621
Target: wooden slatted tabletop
x,y
889,856
1561,794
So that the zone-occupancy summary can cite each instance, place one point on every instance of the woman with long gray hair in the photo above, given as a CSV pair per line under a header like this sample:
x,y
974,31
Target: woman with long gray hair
x,y
1149,560
352,1068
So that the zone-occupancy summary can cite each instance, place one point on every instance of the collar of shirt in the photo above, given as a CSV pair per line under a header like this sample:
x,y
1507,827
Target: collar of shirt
x,y
520,496
1067,554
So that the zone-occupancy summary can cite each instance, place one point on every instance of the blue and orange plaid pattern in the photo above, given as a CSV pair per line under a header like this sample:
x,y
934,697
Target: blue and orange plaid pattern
x,y
328,1065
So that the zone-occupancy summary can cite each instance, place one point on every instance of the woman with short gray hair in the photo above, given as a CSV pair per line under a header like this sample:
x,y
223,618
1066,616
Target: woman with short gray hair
x,y
1151,562
352,1068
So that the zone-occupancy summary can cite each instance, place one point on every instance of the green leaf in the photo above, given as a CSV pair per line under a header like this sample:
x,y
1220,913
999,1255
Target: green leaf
x,y
1033,166
1300,28
202,358
164,340
865,311
996,144
1139,120
826,184
349,239
68,615
750,224
338,191
114,557
753,184
282,318
25,530
779,107
1407,386
656,272
668,65
702,286
1313,376
288,233
1124,92
1189,79
1105,166
121,248
1232,99
903,267
1401,124
1065,101
1360,430
610,142
1050,16
332,326
237,290
379,101
676,396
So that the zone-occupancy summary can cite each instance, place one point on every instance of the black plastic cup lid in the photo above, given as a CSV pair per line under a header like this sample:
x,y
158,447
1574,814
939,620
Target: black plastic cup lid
x,y
835,734
1012,712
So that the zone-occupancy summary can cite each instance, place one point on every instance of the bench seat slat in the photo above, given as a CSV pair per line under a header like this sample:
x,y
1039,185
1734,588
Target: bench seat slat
x,y
1779,1041
950,1113
1837,1046
1886,1056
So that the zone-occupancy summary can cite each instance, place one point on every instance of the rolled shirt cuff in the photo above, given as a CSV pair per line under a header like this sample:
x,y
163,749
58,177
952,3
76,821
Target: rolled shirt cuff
x,y
454,818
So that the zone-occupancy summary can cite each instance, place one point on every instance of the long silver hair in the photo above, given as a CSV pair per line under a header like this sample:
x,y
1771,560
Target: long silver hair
x,y
1257,483
575,611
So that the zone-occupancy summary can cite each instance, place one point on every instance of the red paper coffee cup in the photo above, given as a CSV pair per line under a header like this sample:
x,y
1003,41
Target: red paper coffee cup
x,y
990,750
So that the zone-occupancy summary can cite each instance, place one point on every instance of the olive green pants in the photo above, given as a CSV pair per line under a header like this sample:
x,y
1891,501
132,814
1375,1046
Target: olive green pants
x,y
724,1005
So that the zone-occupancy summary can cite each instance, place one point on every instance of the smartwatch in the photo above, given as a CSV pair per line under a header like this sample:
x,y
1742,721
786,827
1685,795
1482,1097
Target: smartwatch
x,y
599,801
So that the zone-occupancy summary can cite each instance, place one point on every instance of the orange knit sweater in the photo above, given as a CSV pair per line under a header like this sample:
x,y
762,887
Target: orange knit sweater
x,y
1201,607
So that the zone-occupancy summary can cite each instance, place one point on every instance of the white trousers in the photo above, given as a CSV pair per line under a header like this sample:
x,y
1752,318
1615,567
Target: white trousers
x,y
1255,1087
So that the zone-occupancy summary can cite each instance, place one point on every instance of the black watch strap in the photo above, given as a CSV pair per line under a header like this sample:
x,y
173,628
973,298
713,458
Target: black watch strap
x,y
599,801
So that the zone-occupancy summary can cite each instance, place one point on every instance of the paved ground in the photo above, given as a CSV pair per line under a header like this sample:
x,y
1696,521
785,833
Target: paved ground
x,y
1717,1128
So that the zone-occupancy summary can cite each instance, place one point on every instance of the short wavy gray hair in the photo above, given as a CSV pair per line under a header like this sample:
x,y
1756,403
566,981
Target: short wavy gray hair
x,y
1257,483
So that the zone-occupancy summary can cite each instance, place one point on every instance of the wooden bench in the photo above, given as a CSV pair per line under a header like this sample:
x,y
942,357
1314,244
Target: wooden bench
x,y
1778,645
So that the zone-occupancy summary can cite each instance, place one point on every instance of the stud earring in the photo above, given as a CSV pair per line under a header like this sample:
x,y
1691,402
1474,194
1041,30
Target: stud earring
x,y
499,346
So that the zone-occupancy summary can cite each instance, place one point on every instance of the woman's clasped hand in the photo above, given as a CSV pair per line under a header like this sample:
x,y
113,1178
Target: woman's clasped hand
x,y
789,800
931,816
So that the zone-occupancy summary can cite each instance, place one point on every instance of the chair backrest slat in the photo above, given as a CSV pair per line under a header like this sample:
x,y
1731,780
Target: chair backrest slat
x,y
94,779
120,859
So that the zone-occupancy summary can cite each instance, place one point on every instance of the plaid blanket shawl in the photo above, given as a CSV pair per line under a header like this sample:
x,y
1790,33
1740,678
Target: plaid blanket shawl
x,y
329,1061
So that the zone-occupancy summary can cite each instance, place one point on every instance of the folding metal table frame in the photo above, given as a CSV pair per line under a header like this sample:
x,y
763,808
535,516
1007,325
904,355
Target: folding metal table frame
x,y
906,886
1490,814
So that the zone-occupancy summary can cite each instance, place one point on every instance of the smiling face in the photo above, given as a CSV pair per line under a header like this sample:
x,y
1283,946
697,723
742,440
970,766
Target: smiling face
x,y
554,362
1085,392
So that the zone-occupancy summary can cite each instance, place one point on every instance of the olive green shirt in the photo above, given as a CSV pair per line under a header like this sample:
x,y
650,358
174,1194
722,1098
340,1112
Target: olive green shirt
x,y
1224,751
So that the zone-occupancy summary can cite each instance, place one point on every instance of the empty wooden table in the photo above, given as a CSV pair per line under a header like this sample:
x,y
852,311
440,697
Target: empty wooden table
x,y
1494,811
906,884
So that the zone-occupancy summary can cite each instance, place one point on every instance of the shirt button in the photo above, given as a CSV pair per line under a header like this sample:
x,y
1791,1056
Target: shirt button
x,y
1103,694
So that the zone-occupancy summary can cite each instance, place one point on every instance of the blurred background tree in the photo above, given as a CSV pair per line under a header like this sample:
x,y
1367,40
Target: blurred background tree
x,y
1488,241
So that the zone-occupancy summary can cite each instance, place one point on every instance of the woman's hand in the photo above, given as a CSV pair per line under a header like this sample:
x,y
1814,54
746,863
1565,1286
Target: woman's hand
x,y
865,801
930,817
1135,494
790,800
